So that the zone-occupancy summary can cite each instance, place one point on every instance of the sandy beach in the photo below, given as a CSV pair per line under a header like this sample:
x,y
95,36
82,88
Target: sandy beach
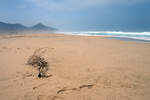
x,y
81,68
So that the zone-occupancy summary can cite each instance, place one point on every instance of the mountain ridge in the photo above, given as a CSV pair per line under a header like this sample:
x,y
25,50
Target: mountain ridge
x,y
15,28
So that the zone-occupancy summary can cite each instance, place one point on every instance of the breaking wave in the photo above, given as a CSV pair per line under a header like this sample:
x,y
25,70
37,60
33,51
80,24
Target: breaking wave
x,y
131,35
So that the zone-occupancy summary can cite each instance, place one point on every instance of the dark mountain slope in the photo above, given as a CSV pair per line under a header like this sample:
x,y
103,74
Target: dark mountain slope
x,y
14,28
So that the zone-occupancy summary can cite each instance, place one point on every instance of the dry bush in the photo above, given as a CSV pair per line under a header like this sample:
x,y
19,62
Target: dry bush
x,y
39,62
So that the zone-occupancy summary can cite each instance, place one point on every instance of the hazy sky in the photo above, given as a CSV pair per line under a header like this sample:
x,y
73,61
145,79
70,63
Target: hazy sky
x,y
130,15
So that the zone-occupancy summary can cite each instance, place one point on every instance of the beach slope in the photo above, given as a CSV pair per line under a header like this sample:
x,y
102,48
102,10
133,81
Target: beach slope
x,y
80,68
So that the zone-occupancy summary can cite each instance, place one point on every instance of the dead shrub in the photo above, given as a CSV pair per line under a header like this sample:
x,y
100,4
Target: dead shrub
x,y
40,63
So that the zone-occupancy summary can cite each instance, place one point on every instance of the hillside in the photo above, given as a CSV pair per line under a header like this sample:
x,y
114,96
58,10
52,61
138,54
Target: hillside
x,y
15,28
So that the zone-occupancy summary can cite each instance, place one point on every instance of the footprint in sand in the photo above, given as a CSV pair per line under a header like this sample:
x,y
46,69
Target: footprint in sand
x,y
29,96
40,97
55,98
20,75
4,49
4,78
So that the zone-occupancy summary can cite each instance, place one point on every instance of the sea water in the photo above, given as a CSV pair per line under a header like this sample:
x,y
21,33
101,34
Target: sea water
x,y
130,36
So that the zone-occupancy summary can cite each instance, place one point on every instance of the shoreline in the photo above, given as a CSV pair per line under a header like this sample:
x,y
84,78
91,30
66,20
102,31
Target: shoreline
x,y
130,36
129,39
80,35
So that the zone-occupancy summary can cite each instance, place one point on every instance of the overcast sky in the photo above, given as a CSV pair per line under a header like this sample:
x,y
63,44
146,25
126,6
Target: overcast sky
x,y
75,15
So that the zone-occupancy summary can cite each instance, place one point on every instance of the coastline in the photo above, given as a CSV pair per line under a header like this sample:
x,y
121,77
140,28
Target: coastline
x,y
82,68
119,35
102,34
129,39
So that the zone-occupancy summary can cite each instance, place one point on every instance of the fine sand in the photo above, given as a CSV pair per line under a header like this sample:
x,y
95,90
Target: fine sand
x,y
81,68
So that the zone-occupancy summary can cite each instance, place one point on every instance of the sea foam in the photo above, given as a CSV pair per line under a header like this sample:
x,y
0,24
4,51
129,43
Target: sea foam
x,y
131,35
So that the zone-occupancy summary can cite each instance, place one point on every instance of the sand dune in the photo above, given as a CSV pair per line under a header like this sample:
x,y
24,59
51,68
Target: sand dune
x,y
81,68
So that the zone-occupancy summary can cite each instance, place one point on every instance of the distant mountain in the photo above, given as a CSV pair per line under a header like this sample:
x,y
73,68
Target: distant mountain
x,y
5,27
41,27
15,28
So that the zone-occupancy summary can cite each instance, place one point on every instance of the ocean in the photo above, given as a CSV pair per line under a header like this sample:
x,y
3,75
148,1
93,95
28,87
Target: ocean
x,y
129,36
